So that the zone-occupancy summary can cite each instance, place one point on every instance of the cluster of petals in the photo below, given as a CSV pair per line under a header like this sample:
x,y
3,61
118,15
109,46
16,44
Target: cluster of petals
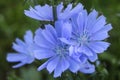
x,y
72,43
25,54
45,13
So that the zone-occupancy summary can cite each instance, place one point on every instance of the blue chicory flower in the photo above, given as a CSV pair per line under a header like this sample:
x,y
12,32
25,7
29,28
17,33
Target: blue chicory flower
x,y
88,33
45,13
57,52
25,54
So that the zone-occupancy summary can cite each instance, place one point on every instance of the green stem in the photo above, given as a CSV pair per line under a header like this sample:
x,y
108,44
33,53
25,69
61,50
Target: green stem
x,y
54,13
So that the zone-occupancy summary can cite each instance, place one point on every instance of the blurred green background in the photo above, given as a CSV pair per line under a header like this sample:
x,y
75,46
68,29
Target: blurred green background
x,y
13,23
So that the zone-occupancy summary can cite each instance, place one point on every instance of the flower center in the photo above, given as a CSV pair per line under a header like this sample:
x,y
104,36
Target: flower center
x,y
61,50
83,39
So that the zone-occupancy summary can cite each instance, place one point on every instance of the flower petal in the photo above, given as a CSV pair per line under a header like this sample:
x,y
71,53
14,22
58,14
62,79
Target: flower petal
x,y
52,64
58,27
99,46
28,60
19,48
85,50
93,58
43,54
43,11
78,22
68,12
59,9
81,21
74,65
61,67
40,40
49,37
64,40
87,68
20,42
12,57
100,22
62,14
58,71
75,10
66,30
32,14
64,64
52,30
99,36
28,37
40,13
18,65
42,66
71,50
106,28
91,19
82,58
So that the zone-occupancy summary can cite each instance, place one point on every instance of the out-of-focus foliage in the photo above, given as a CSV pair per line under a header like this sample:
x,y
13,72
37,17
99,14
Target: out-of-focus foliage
x,y
13,23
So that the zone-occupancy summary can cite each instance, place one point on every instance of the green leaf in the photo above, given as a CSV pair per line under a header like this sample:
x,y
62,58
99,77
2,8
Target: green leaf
x,y
30,74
